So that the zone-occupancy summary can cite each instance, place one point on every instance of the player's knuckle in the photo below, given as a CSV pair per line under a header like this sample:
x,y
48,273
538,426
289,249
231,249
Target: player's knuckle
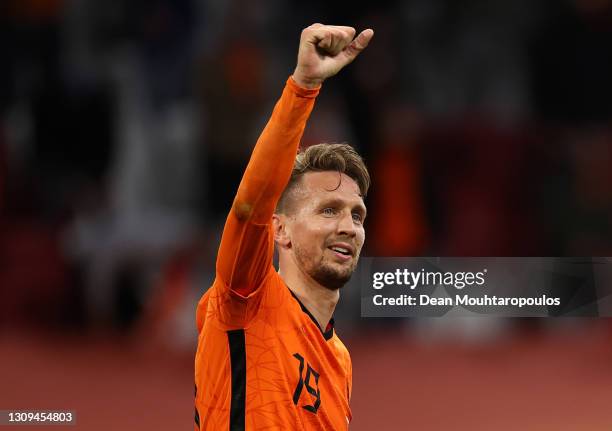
x,y
311,28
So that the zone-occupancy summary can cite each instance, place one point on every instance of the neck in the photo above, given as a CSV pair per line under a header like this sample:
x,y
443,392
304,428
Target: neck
x,y
319,300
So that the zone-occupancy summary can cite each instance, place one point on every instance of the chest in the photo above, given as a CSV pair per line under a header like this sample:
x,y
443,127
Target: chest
x,y
294,365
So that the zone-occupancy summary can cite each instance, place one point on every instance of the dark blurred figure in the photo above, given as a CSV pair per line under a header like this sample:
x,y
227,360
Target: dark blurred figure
x,y
590,228
481,178
399,225
34,275
231,84
570,67
571,64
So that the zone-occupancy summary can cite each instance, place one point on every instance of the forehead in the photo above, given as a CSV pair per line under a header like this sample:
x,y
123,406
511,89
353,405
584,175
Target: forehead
x,y
330,185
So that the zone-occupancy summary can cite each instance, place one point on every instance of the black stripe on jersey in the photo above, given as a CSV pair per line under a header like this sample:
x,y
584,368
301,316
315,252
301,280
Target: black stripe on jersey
x,y
237,350
327,334
197,414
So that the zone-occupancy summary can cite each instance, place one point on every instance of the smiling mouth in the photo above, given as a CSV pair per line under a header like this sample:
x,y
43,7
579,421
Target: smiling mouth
x,y
341,255
341,250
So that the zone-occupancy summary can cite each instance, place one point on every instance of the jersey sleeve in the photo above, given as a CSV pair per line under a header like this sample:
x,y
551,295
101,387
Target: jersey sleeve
x,y
247,245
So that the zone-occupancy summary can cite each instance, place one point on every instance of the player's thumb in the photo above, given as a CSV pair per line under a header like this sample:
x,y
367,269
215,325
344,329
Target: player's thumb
x,y
358,44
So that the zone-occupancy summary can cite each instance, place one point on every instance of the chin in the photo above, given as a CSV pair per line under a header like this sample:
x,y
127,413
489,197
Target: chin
x,y
332,278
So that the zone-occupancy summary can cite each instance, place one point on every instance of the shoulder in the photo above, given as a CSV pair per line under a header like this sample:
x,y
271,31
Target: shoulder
x,y
233,309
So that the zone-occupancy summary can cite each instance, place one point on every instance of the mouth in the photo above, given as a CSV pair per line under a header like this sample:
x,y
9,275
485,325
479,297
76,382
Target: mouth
x,y
342,251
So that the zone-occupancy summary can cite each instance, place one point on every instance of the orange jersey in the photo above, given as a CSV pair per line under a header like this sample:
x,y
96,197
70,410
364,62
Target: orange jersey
x,y
262,360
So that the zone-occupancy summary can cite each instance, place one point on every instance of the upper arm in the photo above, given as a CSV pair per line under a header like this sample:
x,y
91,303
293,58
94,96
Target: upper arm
x,y
245,255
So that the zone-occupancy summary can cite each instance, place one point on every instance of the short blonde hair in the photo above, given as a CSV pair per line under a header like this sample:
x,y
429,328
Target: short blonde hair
x,y
340,158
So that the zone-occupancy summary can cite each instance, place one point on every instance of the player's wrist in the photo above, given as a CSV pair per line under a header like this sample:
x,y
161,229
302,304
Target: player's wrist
x,y
306,83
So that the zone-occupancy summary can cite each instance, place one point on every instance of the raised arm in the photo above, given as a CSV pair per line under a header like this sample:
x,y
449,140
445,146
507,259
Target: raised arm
x,y
247,247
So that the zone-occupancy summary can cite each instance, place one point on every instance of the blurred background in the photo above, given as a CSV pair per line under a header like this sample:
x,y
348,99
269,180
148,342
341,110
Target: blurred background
x,y
124,130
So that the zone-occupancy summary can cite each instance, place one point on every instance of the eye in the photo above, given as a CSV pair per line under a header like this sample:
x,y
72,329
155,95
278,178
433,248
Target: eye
x,y
329,211
357,217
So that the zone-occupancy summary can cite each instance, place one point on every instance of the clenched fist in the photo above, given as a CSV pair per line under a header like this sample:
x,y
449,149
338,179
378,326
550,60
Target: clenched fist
x,y
324,50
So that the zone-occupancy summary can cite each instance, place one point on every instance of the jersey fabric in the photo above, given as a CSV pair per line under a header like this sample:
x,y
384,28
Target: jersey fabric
x,y
262,360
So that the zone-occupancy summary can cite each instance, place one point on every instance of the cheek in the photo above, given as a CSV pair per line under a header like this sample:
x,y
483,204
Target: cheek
x,y
309,226
360,237
308,235
315,239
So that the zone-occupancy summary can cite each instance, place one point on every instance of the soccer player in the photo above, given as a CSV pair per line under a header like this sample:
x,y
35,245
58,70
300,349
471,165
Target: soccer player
x,y
268,357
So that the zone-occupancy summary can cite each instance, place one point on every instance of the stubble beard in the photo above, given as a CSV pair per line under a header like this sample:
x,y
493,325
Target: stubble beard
x,y
325,273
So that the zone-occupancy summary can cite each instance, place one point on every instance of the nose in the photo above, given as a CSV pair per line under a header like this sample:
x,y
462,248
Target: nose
x,y
346,226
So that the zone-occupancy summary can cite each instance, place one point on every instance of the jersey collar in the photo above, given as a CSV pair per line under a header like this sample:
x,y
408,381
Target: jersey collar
x,y
329,330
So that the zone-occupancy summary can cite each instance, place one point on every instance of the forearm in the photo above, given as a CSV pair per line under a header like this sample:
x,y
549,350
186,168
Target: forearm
x,y
271,163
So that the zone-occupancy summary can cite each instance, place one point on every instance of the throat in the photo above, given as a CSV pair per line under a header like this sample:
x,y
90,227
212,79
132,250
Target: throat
x,y
320,307
319,300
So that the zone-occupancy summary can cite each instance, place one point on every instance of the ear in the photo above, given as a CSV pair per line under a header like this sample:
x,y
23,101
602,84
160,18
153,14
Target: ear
x,y
281,233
